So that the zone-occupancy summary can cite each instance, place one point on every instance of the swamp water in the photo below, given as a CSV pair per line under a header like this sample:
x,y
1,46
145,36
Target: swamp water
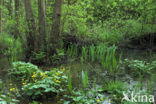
x,y
95,71
135,84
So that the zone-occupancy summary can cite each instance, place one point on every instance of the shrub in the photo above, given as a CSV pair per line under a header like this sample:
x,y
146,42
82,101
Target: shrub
x,y
46,84
22,70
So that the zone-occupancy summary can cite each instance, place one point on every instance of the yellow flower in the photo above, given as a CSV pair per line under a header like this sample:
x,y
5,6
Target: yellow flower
x,y
24,83
41,74
33,76
57,81
12,89
10,84
98,100
57,73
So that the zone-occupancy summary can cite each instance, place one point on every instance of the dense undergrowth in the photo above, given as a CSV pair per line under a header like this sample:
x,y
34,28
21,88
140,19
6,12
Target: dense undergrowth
x,y
90,35
28,82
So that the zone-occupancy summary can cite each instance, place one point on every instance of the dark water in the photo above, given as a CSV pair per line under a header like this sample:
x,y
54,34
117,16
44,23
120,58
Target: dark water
x,y
94,71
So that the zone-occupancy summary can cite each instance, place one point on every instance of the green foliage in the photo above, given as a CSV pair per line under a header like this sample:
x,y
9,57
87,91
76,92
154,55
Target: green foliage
x,y
110,21
92,53
125,9
84,55
57,57
79,97
22,70
110,63
72,51
69,82
50,82
140,68
39,57
100,52
107,22
83,96
116,30
10,47
76,17
84,79
116,89
6,98
10,25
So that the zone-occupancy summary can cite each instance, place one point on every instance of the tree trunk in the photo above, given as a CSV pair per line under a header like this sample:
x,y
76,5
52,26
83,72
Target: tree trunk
x,y
17,15
55,30
42,21
0,16
9,7
32,42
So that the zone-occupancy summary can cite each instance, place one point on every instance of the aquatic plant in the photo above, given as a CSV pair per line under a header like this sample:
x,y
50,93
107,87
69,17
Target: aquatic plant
x,y
72,51
139,67
111,64
69,82
84,55
116,89
92,53
100,52
84,79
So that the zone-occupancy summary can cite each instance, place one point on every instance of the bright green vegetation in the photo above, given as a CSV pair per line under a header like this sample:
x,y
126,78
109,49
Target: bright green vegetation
x,y
138,67
76,51
116,89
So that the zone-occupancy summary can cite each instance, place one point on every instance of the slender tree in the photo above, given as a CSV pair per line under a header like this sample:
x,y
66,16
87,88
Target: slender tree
x,y
0,16
32,42
42,21
17,15
55,30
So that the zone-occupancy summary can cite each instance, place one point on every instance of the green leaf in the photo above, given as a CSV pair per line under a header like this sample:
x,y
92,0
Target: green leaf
x,y
52,89
84,79
114,3
69,81
67,102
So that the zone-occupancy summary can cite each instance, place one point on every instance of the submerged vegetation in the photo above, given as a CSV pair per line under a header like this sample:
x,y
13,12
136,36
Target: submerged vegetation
x,y
77,51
